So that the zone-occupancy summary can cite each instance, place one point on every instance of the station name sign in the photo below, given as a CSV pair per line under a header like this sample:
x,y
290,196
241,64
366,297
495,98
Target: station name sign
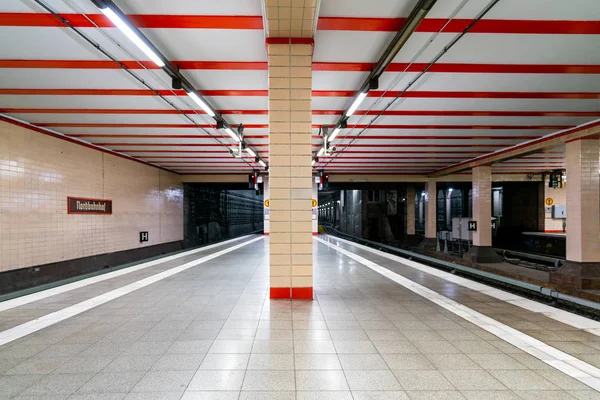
x,y
78,205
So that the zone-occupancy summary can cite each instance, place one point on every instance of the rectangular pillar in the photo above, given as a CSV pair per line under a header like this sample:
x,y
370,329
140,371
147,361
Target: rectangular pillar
x,y
482,205
410,210
315,207
290,171
430,210
583,200
482,251
266,204
582,268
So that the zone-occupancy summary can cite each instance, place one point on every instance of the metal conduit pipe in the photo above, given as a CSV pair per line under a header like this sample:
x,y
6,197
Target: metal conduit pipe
x,y
172,71
414,19
417,15
543,290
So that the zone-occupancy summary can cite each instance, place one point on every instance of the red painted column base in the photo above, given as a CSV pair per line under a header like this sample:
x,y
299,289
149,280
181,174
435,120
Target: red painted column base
x,y
304,293
280,293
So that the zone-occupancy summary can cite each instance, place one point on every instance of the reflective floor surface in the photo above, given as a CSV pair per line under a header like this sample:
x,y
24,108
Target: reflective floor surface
x,y
209,331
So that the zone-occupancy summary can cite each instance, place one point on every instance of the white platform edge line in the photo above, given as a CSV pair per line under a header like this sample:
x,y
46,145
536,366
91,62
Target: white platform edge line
x,y
563,316
30,298
571,366
45,321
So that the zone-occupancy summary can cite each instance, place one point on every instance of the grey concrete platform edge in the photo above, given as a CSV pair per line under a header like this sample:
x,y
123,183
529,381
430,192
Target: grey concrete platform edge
x,y
542,290
51,285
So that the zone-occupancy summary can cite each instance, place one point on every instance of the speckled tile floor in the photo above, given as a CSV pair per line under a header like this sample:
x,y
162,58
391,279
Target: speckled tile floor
x,y
210,332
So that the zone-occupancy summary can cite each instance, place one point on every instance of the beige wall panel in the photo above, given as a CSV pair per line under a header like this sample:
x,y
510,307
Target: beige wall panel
x,y
37,174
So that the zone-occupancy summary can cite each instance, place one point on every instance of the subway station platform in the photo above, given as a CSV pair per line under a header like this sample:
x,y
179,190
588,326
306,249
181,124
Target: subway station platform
x,y
200,325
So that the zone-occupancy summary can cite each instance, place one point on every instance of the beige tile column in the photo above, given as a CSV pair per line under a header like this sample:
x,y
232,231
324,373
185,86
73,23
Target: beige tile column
x,y
290,171
315,207
430,210
482,251
482,205
266,204
583,200
410,210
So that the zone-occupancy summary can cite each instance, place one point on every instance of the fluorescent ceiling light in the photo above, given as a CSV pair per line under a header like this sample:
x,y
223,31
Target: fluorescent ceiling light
x,y
122,25
356,103
320,153
232,134
334,134
261,162
202,104
313,162
249,151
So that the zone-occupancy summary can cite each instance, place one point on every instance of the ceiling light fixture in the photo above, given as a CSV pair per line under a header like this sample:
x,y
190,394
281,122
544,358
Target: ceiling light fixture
x,y
250,151
334,134
313,162
320,153
202,104
233,135
123,27
262,163
356,103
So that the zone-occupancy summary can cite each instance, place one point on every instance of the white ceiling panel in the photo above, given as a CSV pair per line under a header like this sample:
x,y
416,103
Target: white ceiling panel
x,y
192,7
504,49
202,44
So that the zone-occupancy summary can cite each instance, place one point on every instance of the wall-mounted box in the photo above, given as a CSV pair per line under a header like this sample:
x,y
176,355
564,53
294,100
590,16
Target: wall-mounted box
x,y
559,211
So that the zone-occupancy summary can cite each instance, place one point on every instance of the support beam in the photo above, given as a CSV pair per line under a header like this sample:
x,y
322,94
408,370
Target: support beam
x,y
532,146
410,210
482,251
430,210
582,269
290,173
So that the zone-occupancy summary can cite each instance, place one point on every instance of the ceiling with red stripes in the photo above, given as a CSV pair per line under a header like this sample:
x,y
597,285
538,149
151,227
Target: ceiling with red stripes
x,y
527,69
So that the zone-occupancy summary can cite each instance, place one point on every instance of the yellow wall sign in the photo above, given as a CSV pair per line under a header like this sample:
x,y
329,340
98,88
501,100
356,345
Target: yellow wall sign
x,y
267,203
549,201
314,202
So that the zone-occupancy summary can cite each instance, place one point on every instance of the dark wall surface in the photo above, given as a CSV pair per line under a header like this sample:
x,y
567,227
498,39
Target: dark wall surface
x,y
212,214
26,278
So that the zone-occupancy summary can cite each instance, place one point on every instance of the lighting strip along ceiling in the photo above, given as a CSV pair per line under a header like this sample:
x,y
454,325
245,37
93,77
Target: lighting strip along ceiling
x,y
121,21
370,84
372,81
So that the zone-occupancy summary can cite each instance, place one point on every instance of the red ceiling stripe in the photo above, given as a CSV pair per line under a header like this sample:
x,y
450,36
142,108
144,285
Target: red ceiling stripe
x,y
460,113
86,125
123,111
410,152
129,92
458,25
439,137
429,113
443,126
462,68
140,20
317,66
463,95
423,145
340,146
266,126
107,64
178,165
158,158
315,93
173,145
337,162
161,151
254,22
